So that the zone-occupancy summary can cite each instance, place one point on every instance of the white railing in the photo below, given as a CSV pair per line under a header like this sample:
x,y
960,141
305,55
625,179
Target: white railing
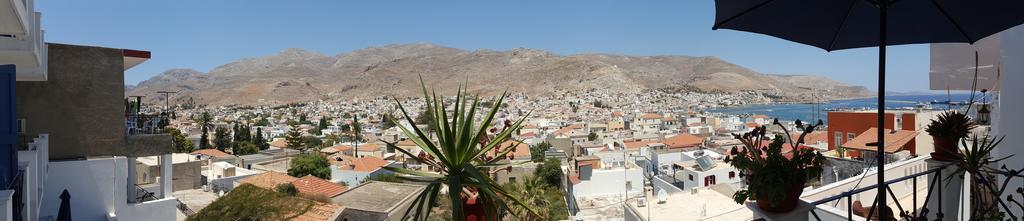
x,y
34,161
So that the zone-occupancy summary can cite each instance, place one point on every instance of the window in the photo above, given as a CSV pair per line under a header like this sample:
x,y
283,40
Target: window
x,y
839,139
691,177
850,136
732,175
709,180
512,179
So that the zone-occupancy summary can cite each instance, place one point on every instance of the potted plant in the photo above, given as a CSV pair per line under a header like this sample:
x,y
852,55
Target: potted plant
x,y
975,158
775,177
947,130
462,152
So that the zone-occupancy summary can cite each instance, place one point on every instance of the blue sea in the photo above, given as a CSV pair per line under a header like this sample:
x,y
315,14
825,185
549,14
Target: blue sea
x,y
806,112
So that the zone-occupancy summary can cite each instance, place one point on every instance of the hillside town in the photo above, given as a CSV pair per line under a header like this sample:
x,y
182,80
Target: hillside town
x,y
615,154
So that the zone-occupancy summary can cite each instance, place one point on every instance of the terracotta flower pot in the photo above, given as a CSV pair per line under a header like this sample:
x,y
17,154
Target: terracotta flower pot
x,y
788,203
945,149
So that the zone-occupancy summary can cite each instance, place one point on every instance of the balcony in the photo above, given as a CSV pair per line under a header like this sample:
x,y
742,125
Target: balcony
x,y
16,16
21,199
146,136
21,40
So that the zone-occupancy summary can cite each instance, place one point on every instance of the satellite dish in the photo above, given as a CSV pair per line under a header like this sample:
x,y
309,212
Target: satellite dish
x,y
662,196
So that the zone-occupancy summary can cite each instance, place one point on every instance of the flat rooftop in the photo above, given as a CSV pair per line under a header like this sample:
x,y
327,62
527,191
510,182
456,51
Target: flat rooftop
x,y
378,196
706,204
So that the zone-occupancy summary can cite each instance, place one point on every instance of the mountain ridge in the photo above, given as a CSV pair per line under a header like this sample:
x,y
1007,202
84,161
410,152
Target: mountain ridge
x,y
298,75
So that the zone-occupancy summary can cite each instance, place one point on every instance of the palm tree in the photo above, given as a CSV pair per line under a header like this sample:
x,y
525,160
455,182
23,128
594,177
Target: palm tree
x,y
204,121
459,157
532,191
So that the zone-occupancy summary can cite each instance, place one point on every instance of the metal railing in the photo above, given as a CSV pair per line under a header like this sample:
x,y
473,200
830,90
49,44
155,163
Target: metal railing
x,y
18,201
146,123
994,196
184,208
143,195
913,213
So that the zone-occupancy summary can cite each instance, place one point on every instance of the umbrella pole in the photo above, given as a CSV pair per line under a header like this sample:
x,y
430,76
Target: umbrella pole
x,y
882,8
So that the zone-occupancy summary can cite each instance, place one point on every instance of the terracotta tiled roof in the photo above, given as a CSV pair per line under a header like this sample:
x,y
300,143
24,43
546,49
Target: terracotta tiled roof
x,y
759,116
406,143
637,144
362,164
813,137
752,125
279,143
342,147
894,142
616,113
319,212
268,180
210,152
683,141
311,185
564,130
522,151
370,147
650,116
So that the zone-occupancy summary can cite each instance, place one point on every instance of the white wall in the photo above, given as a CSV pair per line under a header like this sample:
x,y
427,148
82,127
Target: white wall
x,y
610,182
98,188
1007,117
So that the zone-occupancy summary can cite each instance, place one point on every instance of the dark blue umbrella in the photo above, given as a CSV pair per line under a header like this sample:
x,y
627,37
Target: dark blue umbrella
x,y
844,24
64,212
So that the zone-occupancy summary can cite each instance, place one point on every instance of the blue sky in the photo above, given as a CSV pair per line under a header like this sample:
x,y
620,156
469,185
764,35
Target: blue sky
x,y
205,34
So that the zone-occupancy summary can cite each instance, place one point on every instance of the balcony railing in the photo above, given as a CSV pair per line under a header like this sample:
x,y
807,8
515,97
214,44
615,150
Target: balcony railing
x,y
18,200
988,188
146,123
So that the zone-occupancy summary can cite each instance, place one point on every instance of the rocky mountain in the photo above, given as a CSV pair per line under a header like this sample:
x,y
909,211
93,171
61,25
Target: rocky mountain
x,y
296,75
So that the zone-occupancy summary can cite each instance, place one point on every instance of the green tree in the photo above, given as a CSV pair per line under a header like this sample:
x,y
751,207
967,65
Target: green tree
x,y
536,193
259,140
221,139
537,151
245,148
310,164
205,122
245,134
181,143
592,136
235,136
287,189
263,122
312,143
294,138
550,172
385,123
357,129
322,125
332,139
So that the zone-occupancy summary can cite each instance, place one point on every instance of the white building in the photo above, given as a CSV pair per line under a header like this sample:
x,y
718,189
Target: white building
x,y
86,147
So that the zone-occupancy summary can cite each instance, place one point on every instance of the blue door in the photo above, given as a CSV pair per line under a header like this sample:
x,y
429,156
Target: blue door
x,y
8,127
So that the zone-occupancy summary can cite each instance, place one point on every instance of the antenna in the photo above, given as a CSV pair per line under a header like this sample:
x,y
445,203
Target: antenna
x,y
167,98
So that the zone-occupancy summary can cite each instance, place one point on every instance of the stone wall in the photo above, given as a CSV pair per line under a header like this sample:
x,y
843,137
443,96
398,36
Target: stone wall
x,y
81,104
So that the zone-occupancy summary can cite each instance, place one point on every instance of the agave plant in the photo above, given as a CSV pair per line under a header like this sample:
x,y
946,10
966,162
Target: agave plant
x,y
458,154
952,124
980,166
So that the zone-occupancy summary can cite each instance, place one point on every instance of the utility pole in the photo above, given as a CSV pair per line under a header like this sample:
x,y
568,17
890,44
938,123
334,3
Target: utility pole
x,y
167,99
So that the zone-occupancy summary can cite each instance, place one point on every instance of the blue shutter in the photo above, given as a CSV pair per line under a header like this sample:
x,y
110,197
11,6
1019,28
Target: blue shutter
x,y
8,127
